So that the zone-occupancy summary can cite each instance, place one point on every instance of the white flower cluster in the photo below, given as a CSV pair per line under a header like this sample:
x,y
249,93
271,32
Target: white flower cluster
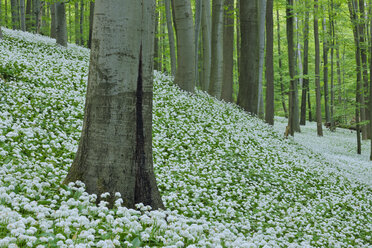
x,y
226,179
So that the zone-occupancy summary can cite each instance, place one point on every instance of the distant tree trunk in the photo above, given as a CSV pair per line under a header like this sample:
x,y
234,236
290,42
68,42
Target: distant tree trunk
x,y
282,93
198,16
156,42
1,21
53,23
291,62
305,86
332,36
185,74
338,65
29,19
238,37
317,72
216,77
172,47
91,14
15,14
6,14
77,31
23,16
298,73
206,36
325,71
82,22
228,52
250,55
61,28
269,72
262,15
115,149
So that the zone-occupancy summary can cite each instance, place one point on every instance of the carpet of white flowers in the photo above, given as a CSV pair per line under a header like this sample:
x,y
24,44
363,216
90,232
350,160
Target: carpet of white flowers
x,y
226,179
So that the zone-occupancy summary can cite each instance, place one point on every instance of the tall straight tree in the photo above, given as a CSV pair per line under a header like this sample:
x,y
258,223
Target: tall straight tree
x,y
23,14
15,13
261,28
216,77
172,46
198,16
319,127
53,22
76,24
36,4
1,21
185,74
269,61
228,51
370,74
325,71
305,86
81,24
115,150
29,19
61,27
91,14
206,36
249,55
282,93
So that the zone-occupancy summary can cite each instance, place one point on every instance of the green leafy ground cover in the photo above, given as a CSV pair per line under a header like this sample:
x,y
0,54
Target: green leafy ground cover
x,y
226,178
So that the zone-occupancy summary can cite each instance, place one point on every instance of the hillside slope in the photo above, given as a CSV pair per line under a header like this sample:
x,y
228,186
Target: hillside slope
x,y
226,178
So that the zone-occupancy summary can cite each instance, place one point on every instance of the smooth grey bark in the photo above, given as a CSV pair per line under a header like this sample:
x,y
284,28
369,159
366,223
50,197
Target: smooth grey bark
x,y
185,74
61,26
172,47
29,19
262,13
249,56
53,23
325,71
115,149
269,62
91,14
319,127
206,37
216,77
228,52
282,93
15,14
156,43
81,23
77,31
37,14
198,13
332,44
23,15
305,73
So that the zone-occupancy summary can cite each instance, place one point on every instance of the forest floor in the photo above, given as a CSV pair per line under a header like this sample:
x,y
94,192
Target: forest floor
x,y
338,148
227,179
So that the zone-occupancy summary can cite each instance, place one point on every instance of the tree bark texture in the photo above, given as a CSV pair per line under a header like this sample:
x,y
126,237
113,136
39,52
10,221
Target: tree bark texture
x,y
172,46
61,27
198,16
23,14
228,52
206,36
115,150
282,93
317,71
305,86
29,19
249,56
185,74
269,62
15,14
325,71
37,11
262,15
53,22
216,77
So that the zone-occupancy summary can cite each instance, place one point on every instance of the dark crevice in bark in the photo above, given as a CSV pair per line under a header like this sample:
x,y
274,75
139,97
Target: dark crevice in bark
x,y
142,192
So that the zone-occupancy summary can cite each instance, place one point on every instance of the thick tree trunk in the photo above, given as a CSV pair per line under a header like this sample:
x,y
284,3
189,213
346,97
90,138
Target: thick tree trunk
x,y
269,72
228,52
216,77
53,23
172,48
282,93
15,14
82,23
305,86
91,14
317,72
23,15
249,55
185,75
115,150
206,36
61,28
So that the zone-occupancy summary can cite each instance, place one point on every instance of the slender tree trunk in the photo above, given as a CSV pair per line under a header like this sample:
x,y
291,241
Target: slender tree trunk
x,y
305,86
250,56
23,16
338,65
15,14
115,150
228,52
269,72
317,72
238,36
77,31
36,9
325,71
370,74
198,16
206,36
185,74
82,23
29,19
262,15
282,93
156,42
91,14
53,23
172,48
61,27
1,21
332,36
216,77
6,14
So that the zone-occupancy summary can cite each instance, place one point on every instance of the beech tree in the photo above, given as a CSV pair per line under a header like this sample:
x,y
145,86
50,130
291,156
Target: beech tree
x,y
61,26
269,61
317,76
206,37
115,150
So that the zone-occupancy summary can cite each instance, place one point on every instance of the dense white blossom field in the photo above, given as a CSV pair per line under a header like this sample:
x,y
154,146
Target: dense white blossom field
x,y
226,179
